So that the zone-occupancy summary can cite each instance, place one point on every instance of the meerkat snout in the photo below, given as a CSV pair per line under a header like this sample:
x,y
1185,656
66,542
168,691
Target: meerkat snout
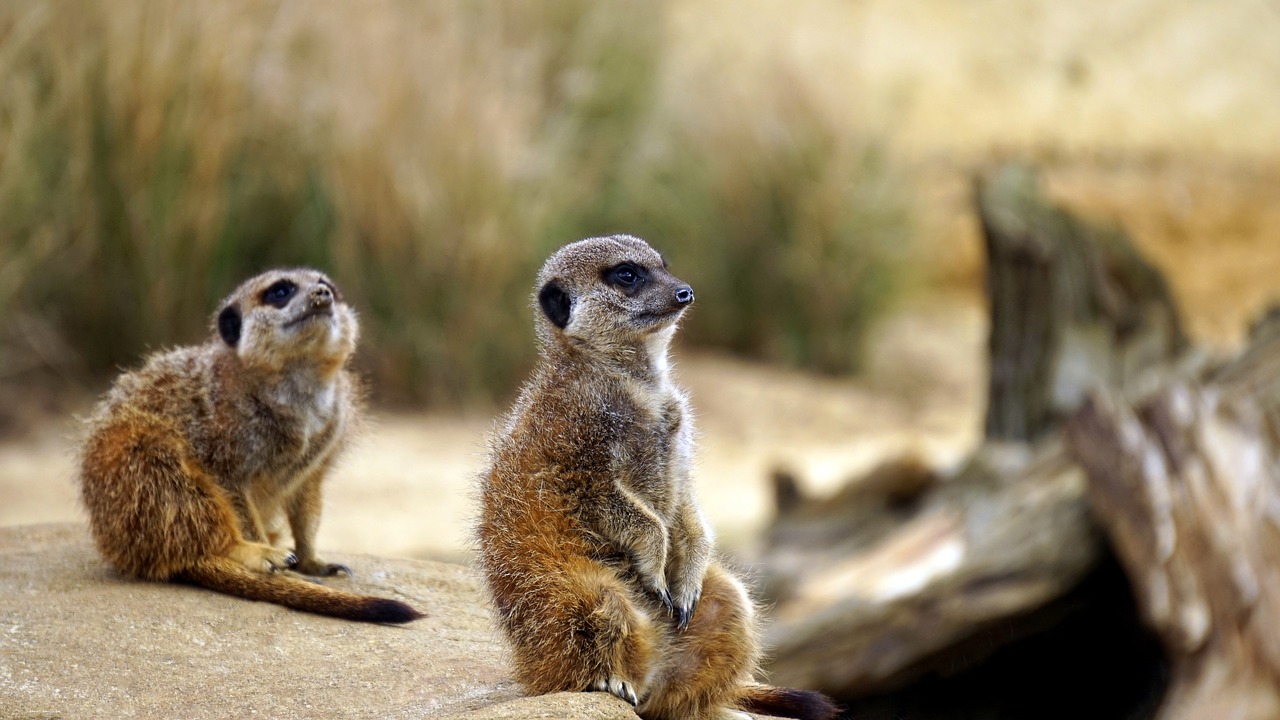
x,y
684,295
319,303
321,296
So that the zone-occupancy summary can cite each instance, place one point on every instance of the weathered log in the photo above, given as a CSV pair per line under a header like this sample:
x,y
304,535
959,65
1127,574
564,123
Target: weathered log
x,y
1186,481
863,608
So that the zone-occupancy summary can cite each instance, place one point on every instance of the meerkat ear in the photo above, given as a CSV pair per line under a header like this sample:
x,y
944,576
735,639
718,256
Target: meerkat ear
x,y
555,303
229,325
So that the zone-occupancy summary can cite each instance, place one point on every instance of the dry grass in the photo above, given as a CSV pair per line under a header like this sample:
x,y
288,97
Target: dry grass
x,y
429,155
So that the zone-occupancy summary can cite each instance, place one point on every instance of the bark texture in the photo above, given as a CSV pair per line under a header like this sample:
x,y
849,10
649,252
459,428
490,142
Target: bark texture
x,y
1186,482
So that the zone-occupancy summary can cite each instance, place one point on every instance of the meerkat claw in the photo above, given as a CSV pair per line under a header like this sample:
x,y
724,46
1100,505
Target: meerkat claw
x,y
665,596
288,562
622,689
687,604
317,568
683,616
330,570
617,687
338,569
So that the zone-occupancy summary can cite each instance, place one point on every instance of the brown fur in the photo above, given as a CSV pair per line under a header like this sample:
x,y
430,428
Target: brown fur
x,y
596,554
193,463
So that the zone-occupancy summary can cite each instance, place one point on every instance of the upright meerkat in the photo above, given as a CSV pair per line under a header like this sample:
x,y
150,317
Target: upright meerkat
x,y
193,462
596,554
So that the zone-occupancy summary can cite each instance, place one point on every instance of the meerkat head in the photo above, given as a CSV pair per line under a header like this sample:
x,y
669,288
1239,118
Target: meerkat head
x,y
288,316
609,292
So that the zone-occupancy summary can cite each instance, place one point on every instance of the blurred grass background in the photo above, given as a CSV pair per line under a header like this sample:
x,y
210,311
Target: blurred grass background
x,y
428,155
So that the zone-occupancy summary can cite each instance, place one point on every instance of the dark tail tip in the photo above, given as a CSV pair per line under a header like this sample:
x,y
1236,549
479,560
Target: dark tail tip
x,y
379,610
789,703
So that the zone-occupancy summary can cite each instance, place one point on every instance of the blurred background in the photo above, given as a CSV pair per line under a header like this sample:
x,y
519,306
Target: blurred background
x,y
806,166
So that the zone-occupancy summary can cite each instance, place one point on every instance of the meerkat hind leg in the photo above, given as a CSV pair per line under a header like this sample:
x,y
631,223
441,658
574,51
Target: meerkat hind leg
x,y
621,638
704,665
603,640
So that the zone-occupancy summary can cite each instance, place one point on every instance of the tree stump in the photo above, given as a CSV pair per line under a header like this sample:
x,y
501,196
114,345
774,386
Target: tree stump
x,y
1073,305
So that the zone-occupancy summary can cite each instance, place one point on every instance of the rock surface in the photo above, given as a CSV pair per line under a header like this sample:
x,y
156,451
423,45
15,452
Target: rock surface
x,y
79,641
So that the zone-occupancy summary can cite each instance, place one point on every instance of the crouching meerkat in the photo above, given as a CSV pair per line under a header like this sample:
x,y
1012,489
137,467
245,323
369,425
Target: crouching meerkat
x,y
192,463
596,555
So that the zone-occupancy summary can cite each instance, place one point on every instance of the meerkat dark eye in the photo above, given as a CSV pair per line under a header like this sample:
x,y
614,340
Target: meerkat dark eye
x,y
279,293
626,276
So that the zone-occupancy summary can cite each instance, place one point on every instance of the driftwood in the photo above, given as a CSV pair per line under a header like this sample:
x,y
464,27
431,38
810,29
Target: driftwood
x,y
873,586
1186,481
864,608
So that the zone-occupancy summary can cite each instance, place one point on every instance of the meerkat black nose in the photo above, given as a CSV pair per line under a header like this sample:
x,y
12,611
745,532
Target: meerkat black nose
x,y
684,295
321,296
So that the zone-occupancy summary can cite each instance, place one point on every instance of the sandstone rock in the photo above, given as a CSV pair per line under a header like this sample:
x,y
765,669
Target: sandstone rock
x,y
79,641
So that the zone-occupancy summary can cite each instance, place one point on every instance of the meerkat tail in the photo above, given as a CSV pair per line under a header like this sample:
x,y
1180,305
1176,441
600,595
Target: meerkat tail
x,y
228,576
786,702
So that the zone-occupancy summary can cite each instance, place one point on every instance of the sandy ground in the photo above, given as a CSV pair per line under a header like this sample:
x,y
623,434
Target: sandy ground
x,y
406,489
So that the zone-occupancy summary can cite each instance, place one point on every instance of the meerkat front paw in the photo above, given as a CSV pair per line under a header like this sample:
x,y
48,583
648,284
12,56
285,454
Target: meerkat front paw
x,y
686,600
618,686
665,596
650,563
686,587
692,555
658,584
